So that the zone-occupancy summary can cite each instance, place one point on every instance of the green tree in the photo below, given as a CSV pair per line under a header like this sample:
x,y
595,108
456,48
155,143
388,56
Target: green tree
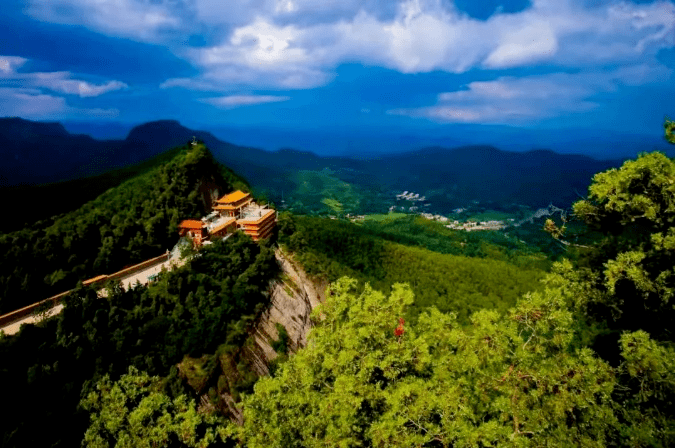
x,y
368,379
134,412
669,126
635,206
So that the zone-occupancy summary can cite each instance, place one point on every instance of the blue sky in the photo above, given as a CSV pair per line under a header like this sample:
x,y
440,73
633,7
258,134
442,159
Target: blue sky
x,y
417,66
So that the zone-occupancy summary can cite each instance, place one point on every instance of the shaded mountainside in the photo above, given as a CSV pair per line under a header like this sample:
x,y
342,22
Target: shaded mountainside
x,y
45,152
485,173
37,153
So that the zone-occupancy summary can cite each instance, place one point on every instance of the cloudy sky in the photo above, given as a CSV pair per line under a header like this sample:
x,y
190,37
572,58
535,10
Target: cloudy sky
x,y
300,64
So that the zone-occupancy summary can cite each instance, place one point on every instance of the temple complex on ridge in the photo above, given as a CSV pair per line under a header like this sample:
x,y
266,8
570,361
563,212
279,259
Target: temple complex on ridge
x,y
235,210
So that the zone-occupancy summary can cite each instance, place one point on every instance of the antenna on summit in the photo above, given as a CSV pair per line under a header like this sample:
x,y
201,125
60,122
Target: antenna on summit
x,y
194,141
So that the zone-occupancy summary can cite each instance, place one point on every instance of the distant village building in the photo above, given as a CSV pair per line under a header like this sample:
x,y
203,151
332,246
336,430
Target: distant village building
x,y
471,225
235,210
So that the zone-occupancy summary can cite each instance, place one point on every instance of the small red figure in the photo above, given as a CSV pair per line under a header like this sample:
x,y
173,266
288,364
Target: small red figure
x,y
399,330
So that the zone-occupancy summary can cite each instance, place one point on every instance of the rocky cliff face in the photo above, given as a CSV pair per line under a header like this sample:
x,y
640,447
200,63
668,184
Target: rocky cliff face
x,y
293,299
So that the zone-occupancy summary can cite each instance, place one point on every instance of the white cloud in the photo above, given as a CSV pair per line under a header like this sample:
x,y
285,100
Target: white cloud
x,y
285,6
423,36
526,100
233,77
535,41
33,104
61,82
190,84
260,43
144,20
299,43
9,64
23,94
299,12
86,89
232,101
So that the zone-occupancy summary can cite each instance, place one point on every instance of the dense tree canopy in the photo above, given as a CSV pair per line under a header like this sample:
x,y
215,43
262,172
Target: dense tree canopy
x,y
520,379
203,309
460,356
134,412
461,284
127,224
633,268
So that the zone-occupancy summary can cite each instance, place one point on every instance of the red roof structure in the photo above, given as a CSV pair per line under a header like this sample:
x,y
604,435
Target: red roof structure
x,y
193,224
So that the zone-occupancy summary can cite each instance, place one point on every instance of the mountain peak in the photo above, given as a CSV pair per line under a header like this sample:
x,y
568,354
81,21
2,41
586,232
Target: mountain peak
x,y
158,128
27,128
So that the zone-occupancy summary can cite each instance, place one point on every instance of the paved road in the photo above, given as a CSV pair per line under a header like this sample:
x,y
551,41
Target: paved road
x,y
142,276
16,326
127,282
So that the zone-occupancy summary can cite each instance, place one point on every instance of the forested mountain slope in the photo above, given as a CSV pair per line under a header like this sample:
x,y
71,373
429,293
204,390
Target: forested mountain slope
x,y
487,174
126,224
477,275
189,327
587,360
45,202
474,350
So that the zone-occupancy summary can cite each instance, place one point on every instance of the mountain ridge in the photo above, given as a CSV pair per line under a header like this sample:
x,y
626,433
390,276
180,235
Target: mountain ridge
x,y
449,177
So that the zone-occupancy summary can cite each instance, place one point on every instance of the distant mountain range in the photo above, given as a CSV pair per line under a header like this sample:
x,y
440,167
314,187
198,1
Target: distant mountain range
x,y
38,153
370,141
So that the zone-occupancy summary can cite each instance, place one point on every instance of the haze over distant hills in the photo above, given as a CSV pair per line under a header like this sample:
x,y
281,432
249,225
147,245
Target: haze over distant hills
x,y
38,153
366,141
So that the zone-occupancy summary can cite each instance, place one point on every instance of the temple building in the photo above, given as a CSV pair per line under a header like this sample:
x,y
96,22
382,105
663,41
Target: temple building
x,y
222,227
233,203
257,222
194,229
235,210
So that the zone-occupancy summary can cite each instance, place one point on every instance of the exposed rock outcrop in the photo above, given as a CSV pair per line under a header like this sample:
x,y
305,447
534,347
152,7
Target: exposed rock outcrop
x,y
293,298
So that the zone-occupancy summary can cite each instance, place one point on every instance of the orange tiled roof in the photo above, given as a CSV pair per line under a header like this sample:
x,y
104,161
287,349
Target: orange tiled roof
x,y
224,207
233,197
191,224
